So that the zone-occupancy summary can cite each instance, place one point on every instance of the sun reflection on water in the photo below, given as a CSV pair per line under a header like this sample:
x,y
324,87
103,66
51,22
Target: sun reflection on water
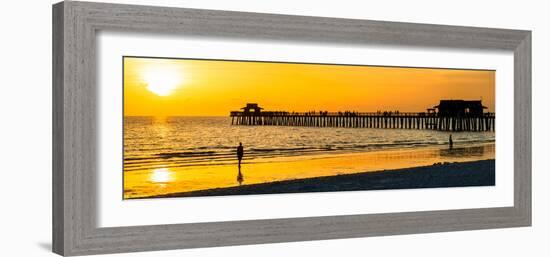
x,y
161,175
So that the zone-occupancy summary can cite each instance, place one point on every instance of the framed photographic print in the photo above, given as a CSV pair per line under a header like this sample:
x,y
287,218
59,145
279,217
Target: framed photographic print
x,y
182,139
183,128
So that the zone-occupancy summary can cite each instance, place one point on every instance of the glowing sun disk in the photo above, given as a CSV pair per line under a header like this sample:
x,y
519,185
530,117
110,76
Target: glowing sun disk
x,y
162,82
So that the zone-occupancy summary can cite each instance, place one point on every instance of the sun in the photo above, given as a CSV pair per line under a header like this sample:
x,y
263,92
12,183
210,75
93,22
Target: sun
x,y
162,82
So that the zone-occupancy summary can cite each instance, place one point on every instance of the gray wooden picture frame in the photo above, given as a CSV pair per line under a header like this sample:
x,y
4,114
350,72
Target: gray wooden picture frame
x,y
75,25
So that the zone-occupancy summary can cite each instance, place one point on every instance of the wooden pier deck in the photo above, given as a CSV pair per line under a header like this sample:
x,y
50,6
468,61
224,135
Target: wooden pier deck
x,y
387,120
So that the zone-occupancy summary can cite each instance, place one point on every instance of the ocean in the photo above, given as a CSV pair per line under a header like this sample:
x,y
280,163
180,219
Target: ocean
x,y
161,142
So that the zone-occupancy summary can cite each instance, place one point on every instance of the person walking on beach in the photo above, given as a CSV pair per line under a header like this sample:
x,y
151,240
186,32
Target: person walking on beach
x,y
451,141
240,153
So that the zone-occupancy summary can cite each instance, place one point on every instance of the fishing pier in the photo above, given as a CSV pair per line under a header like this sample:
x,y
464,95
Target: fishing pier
x,y
449,115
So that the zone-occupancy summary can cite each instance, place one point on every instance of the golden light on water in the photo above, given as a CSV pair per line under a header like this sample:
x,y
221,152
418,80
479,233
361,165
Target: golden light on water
x,y
162,175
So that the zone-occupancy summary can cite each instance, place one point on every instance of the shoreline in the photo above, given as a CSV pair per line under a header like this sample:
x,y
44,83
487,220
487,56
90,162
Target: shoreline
x,y
456,174
130,165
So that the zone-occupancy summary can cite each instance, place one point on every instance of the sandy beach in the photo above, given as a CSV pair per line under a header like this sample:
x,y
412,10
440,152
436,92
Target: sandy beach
x,y
191,181
458,174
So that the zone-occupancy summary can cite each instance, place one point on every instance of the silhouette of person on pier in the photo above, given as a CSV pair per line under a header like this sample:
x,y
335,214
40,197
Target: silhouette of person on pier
x,y
451,141
240,153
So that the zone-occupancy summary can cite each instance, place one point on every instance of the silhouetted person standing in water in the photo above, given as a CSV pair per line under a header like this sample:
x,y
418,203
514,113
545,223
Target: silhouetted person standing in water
x,y
240,153
451,141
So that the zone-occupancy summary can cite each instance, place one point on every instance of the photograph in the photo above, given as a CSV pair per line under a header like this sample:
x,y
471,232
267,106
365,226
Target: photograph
x,y
201,127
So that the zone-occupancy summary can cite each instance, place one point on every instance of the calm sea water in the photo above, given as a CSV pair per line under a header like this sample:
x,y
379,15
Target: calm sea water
x,y
153,142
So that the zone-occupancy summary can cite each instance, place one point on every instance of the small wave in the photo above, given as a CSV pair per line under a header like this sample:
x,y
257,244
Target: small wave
x,y
185,154
281,149
404,141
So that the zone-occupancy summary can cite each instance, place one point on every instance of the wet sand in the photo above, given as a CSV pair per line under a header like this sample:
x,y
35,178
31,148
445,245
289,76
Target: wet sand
x,y
187,181
460,174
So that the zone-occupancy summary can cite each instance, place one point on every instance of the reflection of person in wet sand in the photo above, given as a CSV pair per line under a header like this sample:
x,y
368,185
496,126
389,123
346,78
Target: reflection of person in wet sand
x,y
240,153
451,141
240,177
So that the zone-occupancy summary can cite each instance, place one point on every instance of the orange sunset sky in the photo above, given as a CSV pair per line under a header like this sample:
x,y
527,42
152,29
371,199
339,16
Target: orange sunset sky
x,y
180,87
